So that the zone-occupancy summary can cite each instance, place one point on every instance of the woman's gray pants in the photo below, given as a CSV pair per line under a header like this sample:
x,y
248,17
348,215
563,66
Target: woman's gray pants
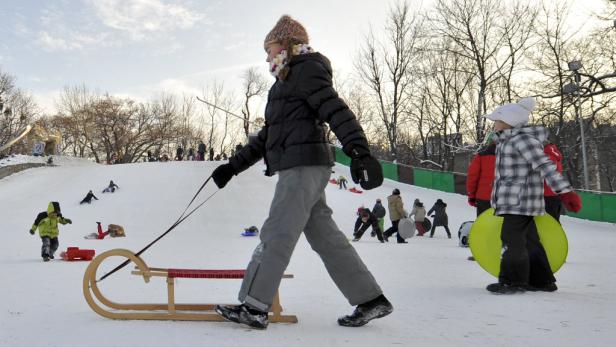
x,y
299,205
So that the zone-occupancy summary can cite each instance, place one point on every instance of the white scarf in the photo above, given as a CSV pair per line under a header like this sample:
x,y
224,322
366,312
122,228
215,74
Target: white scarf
x,y
282,59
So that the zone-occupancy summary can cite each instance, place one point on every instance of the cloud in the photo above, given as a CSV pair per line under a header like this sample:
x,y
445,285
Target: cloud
x,y
47,100
177,86
58,33
52,44
235,46
72,41
142,18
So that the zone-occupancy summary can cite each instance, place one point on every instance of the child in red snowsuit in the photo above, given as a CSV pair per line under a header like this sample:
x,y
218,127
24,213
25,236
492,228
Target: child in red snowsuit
x,y
101,234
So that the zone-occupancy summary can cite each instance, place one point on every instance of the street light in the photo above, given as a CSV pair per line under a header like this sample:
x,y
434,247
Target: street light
x,y
574,65
572,88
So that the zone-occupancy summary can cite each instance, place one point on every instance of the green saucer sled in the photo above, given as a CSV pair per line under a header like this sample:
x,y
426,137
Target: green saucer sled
x,y
486,245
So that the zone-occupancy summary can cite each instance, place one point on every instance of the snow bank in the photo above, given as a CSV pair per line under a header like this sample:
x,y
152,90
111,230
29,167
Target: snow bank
x,y
439,296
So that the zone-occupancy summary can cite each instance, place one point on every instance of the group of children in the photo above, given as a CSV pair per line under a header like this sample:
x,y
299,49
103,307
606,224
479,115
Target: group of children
x,y
47,223
376,218
111,188
301,157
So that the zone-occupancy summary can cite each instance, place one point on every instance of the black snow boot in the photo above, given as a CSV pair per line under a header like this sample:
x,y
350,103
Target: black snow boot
x,y
375,308
502,288
549,287
244,315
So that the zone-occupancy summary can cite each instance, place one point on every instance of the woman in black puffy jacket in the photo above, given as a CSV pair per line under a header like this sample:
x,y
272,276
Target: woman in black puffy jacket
x,y
294,145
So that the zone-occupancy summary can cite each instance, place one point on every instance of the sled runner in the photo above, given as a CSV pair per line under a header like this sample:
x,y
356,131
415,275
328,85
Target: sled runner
x,y
163,311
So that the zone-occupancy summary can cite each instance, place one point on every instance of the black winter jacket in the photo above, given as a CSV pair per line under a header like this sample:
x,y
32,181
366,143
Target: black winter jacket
x,y
378,210
294,131
361,226
440,215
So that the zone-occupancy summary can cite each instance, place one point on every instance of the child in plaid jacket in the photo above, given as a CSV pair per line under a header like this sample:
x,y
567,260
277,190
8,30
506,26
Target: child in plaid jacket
x,y
517,195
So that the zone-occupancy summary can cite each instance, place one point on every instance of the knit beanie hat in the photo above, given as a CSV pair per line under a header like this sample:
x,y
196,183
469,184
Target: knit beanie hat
x,y
514,114
287,28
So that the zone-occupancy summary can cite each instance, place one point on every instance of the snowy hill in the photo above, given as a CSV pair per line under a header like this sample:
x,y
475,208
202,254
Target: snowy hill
x,y
438,295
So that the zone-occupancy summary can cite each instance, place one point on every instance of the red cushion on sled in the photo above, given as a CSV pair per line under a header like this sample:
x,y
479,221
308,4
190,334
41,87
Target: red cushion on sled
x,y
189,273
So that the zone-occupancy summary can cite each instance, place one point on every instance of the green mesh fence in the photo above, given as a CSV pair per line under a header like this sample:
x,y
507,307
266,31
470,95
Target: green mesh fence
x,y
442,181
422,178
342,158
390,170
597,207
608,207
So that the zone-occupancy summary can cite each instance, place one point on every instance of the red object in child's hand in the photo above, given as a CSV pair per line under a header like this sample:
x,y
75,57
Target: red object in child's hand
x,y
572,201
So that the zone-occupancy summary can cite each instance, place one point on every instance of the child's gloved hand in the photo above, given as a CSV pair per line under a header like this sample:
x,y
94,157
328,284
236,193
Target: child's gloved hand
x,y
572,201
68,221
472,201
31,232
223,174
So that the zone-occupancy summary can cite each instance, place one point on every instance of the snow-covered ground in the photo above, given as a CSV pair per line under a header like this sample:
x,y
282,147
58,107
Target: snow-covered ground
x,y
15,159
439,296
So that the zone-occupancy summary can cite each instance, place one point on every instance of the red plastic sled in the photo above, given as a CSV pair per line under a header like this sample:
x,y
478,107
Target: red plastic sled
x,y
355,190
74,253
333,181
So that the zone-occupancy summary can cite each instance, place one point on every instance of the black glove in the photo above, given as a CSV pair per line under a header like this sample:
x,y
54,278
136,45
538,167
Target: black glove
x,y
31,232
68,221
223,174
366,171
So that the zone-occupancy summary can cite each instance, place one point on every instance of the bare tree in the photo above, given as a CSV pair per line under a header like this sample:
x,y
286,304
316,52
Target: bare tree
x,y
77,124
385,66
220,127
18,109
475,28
356,96
255,85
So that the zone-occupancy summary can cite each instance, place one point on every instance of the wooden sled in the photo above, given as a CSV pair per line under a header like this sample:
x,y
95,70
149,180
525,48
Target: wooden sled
x,y
170,310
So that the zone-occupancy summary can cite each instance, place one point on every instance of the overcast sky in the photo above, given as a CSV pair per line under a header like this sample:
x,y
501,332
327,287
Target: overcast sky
x,y
137,48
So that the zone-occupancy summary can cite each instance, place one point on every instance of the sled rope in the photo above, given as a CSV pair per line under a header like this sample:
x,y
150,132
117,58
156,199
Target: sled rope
x,y
225,111
178,222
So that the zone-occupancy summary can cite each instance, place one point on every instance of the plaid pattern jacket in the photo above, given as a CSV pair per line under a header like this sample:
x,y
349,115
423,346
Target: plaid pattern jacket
x,y
520,170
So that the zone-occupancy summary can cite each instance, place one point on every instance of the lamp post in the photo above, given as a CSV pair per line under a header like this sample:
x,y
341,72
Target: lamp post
x,y
574,66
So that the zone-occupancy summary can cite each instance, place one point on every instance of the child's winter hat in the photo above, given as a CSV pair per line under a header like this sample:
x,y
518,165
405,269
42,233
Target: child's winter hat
x,y
396,191
53,206
515,113
287,28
